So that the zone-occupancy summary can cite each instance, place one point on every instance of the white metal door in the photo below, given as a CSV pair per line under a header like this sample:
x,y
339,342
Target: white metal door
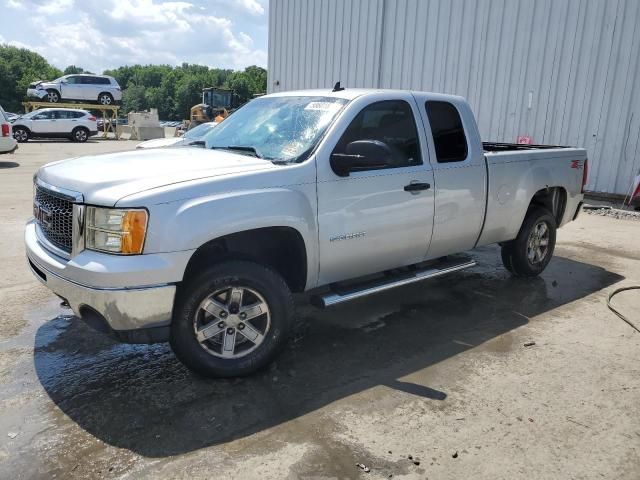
x,y
43,122
371,221
459,171
71,89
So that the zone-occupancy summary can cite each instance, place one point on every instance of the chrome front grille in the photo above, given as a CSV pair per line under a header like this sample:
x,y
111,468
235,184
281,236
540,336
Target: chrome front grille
x,y
54,215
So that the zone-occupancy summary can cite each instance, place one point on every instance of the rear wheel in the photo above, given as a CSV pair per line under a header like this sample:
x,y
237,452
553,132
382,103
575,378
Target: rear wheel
x,y
20,134
105,99
232,319
531,251
80,134
53,96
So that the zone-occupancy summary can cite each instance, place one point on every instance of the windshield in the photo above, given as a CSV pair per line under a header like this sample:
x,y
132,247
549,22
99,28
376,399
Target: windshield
x,y
283,129
199,131
31,114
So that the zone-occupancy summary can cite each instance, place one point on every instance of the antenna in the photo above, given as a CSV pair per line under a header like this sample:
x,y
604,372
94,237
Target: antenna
x,y
337,87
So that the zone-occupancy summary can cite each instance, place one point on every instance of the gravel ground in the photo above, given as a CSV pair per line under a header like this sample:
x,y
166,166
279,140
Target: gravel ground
x,y
614,213
430,381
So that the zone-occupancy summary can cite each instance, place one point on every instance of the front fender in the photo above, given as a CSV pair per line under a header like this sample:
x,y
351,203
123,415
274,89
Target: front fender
x,y
188,224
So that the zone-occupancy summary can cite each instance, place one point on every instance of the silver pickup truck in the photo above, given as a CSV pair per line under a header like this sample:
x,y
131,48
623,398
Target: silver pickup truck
x,y
295,191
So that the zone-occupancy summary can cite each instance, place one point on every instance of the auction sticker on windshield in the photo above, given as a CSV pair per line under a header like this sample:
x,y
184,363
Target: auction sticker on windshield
x,y
324,106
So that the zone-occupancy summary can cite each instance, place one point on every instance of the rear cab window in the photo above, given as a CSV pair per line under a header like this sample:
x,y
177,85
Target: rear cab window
x,y
449,138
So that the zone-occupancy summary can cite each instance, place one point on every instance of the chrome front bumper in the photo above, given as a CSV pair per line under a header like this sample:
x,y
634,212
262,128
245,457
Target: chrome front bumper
x,y
132,314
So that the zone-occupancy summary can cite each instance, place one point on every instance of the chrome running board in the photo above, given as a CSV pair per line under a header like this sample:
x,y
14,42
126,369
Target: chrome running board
x,y
338,295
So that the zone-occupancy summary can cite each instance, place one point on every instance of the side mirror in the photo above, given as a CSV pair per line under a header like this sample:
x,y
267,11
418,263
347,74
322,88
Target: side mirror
x,y
361,155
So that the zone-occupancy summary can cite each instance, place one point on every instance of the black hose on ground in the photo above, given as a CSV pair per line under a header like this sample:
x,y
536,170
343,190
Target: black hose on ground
x,y
615,292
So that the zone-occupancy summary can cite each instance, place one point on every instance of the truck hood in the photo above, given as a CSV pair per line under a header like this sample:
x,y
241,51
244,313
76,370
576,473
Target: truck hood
x,y
161,142
105,179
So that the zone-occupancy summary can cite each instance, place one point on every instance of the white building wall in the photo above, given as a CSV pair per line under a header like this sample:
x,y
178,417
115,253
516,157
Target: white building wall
x,y
560,71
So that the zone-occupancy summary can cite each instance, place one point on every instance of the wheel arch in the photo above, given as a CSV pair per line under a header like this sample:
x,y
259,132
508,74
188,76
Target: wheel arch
x,y
24,127
553,199
281,248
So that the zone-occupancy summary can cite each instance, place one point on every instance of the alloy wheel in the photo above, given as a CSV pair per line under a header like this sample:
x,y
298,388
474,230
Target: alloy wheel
x,y
20,135
232,322
538,243
81,135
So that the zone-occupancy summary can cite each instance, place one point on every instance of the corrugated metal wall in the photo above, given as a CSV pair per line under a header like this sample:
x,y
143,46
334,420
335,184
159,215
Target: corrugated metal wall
x,y
559,71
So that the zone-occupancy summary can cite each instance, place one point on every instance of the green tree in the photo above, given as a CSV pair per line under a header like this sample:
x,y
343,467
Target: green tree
x,y
172,90
18,68
73,70
134,99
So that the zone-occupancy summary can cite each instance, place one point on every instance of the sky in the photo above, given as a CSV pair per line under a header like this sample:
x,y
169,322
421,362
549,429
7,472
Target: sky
x,y
101,34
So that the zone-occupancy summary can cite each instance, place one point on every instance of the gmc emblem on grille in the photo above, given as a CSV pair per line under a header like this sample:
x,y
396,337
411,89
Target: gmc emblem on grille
x,y
42,215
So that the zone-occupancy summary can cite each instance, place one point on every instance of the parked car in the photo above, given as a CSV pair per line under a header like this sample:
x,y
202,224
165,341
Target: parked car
x,y
76,125
11,116
356,191
7,143
195,136
101,89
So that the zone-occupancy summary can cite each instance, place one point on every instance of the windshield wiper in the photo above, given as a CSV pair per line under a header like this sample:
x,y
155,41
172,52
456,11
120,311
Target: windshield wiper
x,y
242,148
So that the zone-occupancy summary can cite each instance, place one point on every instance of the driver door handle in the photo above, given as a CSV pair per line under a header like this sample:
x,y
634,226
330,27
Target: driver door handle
x,y
415,187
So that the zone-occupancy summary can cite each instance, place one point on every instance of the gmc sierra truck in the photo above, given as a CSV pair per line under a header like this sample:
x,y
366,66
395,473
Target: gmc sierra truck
x,y
355,191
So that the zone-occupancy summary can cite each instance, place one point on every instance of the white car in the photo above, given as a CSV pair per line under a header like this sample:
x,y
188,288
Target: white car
x,y
76,125
102,89
7,142
192,136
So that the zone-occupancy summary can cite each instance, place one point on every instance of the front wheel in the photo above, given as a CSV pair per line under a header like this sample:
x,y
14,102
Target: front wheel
x,y
53,96
232,319
531,251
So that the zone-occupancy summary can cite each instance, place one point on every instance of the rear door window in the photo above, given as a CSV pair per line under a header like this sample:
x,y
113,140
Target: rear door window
x,y
448,134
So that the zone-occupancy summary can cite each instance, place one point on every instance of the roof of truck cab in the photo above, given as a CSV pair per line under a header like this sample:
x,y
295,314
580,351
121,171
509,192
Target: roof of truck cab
x,y
351,93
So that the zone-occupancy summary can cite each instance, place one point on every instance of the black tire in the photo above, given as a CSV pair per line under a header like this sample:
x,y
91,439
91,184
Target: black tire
x,y
79,134
53,96
21,134
517,254
203,357
105,98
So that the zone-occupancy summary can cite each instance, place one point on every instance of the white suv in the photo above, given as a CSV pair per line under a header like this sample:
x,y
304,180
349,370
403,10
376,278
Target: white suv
x,y
7,142
88,88
76,125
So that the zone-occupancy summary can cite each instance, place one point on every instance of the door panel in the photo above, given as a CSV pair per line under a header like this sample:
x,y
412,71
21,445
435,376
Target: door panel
x,y
65,121
367,221
72,89
43,123
459,171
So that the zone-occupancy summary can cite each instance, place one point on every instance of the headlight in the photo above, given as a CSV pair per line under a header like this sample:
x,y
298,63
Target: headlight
x,y
115,230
